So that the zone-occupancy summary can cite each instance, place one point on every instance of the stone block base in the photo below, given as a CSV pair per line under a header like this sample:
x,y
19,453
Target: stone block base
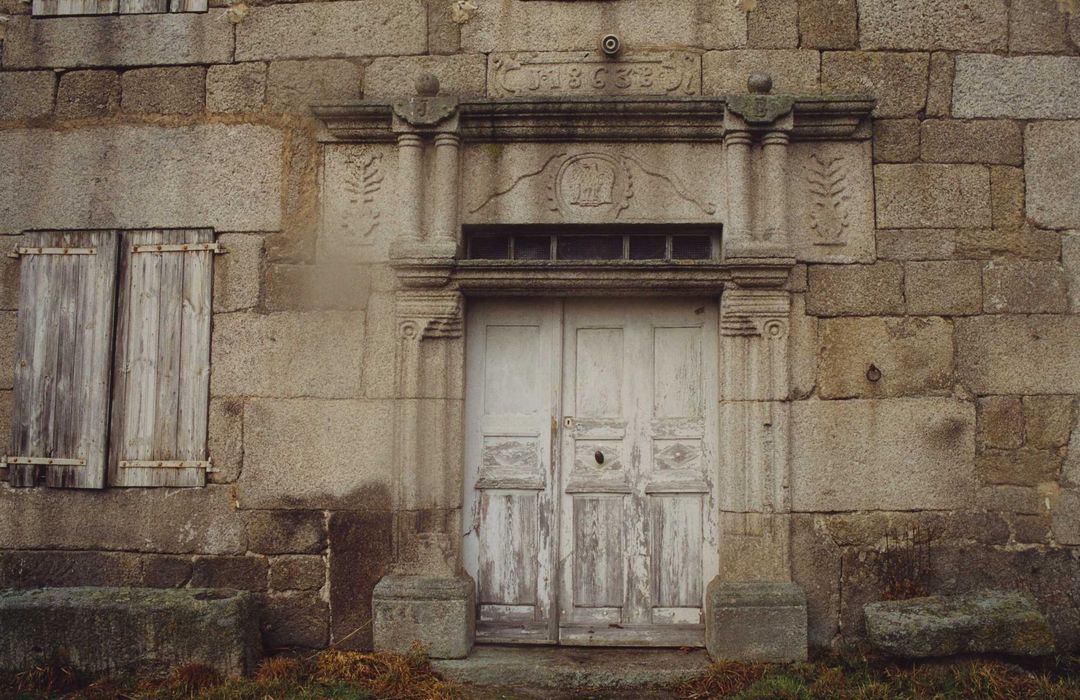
x,y
760,621
110,630
435,611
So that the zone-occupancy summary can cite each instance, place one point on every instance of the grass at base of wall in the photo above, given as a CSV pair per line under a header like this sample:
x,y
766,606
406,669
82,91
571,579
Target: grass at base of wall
x,y
361,676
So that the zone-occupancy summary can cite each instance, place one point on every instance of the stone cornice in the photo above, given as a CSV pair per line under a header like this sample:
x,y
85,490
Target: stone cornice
x,y
591,277
570,119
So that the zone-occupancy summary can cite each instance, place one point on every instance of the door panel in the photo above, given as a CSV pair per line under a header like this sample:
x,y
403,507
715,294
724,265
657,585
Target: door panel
x,y
512,351
591,450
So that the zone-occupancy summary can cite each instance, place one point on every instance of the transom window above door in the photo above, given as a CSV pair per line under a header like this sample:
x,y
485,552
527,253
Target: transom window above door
x,y
644,243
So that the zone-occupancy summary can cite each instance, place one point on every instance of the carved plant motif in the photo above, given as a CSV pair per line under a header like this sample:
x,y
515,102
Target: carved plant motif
x,y
826,179
363,180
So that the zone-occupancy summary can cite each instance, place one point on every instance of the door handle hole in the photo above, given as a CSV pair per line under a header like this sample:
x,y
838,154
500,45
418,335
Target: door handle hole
x,y
599,457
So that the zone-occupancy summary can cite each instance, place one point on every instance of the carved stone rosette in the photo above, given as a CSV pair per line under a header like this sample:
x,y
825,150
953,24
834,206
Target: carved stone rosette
x,y
754,416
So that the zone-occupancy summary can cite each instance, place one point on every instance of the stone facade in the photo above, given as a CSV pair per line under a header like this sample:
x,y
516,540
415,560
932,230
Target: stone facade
x,y
928,380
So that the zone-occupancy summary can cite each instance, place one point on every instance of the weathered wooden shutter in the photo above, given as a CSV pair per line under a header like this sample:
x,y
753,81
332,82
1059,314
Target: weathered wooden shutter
x,y
162,374
65,324
48,8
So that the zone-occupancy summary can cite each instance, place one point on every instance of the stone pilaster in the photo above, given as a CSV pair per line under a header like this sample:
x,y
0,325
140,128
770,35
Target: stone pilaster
x,y
753,610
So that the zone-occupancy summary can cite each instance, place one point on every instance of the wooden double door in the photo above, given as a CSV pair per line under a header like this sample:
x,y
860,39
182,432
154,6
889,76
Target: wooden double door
x,y
590,459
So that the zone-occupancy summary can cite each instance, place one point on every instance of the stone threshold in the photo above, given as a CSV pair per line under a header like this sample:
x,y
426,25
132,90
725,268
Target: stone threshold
x,y
602,668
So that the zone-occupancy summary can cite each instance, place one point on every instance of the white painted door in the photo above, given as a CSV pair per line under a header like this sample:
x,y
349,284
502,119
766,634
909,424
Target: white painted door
x,y
592,514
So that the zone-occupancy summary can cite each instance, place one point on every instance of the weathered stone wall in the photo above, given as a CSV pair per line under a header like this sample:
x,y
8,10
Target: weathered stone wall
x,y
968,302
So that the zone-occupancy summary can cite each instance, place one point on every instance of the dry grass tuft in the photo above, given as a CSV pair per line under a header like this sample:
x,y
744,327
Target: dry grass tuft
x,y
392,676
282,669
193,679
55,678
724,678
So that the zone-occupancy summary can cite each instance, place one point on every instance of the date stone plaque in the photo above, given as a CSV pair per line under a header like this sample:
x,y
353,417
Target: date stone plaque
x,y
523,74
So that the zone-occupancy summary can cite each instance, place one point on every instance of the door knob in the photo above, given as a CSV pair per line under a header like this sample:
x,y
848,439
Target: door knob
x,y
599,457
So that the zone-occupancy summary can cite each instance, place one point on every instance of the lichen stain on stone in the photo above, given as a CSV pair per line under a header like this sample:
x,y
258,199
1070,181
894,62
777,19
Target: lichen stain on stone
x,y
461,11
747,5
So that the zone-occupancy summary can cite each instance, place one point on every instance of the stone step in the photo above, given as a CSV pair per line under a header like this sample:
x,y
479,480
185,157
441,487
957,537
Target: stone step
x,y
574,667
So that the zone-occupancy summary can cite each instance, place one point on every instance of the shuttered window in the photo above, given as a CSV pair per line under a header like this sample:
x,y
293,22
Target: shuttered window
x,y
54,8
162,374
63,358
154,289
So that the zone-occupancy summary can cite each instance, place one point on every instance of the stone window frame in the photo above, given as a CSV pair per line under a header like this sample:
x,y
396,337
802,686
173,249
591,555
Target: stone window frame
x,y
187,473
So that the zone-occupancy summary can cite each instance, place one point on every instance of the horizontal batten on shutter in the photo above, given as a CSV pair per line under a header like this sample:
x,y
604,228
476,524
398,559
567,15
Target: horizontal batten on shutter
x,y
26,250
49,461
166,464
177,248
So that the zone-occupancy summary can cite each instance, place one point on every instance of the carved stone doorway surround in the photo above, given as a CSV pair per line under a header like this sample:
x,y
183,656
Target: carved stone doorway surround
x,y
753,610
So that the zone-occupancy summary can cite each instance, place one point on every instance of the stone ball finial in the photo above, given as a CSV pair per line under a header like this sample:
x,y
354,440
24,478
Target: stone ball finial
x,y
427,85
759,83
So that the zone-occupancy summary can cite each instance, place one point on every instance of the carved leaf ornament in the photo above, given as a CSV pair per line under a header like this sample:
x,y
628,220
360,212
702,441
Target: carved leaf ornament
x,y
826,180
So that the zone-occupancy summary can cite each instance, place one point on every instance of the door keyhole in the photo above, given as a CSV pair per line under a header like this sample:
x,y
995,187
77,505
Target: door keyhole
x,y
599,457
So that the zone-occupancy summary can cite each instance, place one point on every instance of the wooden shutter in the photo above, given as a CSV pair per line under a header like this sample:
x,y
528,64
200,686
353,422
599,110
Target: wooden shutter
x,y
65,324
162,373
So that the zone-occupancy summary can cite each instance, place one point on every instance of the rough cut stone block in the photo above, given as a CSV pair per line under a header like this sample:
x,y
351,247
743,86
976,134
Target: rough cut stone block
x,y
356,28
226,177
463,74
88,93
857,290
828,24
26,94
1000,422
1012,354
299,572
437,612
932,196
916,244
882,454
897,80
1066,518
1023,467
984,622
295,619
1052,171
174,521
128,40
939,85
773,24
8,328
164,90
792,70
943,287
1018,286
912,356
238,87
285,531
760,621
1070,260
361,553
539,26
1048,420
336,453
109,630
240,573
1017,87
1039,26
981,141
293,86
287,354
236,275
928,25
896,140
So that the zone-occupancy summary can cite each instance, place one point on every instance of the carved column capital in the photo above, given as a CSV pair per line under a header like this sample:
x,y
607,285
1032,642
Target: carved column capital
x,y
755,312
422,315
